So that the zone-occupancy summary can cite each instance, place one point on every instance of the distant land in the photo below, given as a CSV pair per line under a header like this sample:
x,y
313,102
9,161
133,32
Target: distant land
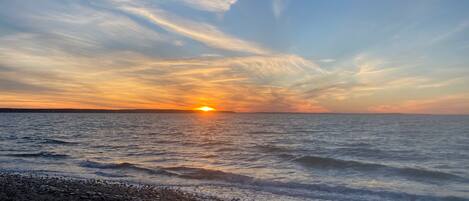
x,y
68,110
75,110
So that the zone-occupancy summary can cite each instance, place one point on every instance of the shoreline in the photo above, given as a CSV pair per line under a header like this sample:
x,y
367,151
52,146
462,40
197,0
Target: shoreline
x,y
20,187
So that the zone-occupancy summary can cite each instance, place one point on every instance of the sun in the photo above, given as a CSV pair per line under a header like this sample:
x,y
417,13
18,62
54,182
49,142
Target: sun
x,y
205,109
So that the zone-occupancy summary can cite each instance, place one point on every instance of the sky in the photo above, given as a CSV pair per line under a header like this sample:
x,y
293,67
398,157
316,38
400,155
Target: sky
x,y
242,55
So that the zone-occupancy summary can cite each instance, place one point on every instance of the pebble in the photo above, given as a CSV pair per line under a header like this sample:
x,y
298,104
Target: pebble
x,y
16,187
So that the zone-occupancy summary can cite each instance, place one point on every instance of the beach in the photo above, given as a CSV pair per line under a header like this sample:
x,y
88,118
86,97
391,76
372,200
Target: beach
x,y
20,187
236,100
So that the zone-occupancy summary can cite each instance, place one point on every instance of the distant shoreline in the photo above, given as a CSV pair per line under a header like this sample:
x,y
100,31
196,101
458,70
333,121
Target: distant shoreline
x,y
67,110
75,110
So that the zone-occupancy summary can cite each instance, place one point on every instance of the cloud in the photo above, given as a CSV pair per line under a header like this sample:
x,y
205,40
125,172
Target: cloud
x,y
119,55
252,83
7,85
218,6
281,70
450,33
121,79
202,32
84,30
327,60
210,55
452,104
178,43
278,6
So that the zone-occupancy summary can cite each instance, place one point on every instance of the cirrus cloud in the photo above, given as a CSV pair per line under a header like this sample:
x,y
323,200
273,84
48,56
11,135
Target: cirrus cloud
x,y
218,6
201,32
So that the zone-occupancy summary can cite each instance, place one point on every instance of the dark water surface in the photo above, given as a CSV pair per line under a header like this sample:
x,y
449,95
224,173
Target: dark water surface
x,y
255,156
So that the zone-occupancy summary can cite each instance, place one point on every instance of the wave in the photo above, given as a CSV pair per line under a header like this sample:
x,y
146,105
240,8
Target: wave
x,y
208,174
433,174
273,149
55,141
331,163
266,132
38,154
215,143
124,165
285,188
180,171
105,174
322,191
375,153
301,189
226,149
408,172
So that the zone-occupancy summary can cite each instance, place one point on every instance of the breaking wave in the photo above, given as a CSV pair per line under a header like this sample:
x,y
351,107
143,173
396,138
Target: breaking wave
x,y
181,172
287,188
408,172
207,174
124,165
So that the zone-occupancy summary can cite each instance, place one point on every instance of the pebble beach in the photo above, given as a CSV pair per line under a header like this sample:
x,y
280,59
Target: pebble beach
x,y
17,187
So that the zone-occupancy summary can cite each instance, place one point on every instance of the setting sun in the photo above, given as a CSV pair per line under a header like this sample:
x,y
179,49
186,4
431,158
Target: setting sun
x,y
188,100
205,108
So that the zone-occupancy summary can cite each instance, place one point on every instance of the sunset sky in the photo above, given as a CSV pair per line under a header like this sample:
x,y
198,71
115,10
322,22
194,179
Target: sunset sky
x,y
242,55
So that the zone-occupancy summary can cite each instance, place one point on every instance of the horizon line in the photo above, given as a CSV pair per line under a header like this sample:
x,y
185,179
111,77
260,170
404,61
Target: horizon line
x,y
146,110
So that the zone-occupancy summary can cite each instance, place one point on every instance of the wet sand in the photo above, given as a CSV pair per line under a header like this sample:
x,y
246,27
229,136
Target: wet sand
x,y
22,187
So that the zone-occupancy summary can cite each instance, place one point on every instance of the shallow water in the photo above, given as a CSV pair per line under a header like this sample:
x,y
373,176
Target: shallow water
x,y
251,156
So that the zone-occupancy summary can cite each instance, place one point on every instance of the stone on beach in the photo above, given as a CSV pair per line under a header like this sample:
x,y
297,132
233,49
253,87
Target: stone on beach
x,y
15,187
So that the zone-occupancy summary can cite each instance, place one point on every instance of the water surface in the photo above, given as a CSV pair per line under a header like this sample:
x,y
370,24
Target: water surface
x,y
251,156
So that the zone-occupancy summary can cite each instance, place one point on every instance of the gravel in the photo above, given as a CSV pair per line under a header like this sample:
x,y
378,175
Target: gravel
x,y
36,188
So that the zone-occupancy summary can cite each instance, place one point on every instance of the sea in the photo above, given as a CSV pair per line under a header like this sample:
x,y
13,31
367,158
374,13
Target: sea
x,y
249,156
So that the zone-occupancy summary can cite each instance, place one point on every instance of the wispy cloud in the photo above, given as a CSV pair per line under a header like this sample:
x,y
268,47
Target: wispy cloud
x,y
252,83
451,104
218,6
7,85
327,60
202,32
139,54
449,33
244,83
278,6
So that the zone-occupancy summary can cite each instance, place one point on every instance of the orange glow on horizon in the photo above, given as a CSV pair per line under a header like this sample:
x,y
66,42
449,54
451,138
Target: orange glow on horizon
x,y
205,109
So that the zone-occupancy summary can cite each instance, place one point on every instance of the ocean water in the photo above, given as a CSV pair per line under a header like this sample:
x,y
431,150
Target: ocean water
x,y
250,156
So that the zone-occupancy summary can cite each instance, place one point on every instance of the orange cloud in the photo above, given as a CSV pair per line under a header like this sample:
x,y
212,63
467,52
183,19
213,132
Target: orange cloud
x,y
455,104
